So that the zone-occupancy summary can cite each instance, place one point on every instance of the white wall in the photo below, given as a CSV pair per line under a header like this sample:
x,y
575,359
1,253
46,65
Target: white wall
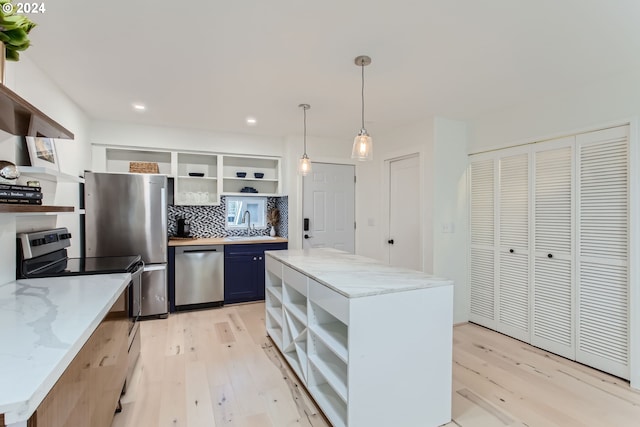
x,y
450,208
442,146
125,134
28,81
606,101
371,240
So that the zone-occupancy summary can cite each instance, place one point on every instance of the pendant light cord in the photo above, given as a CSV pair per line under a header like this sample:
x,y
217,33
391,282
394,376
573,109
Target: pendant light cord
x,y
362,66
304,110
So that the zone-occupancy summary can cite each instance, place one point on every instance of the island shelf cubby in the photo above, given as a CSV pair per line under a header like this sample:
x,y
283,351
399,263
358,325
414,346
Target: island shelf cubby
x,y
273,301
381,357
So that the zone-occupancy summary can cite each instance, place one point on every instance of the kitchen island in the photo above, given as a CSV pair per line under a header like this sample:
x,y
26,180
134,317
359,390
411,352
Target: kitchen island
x,y
372,343
44,325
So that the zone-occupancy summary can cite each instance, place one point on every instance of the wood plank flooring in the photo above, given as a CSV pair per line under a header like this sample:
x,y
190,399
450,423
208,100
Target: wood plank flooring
x,y
217,368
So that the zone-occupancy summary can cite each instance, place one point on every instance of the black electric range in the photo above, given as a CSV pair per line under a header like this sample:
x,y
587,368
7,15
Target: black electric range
x,y
44,254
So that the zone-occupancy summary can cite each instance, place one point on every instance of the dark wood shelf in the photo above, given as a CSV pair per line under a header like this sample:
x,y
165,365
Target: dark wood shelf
x,y
19,117
9,208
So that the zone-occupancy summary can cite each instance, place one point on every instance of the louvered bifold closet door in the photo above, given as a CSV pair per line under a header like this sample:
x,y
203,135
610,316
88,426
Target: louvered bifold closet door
x,y
513,226
553,228
603,244
482,236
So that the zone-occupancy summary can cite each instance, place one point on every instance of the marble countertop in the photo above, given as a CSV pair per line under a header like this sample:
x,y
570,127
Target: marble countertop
x,y
223,241
353,275
43,325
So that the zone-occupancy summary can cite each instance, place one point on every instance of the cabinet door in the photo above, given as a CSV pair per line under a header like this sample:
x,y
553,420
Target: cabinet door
x,y
553,278
513,234
602,246
260,276
482,237
242,278
244,271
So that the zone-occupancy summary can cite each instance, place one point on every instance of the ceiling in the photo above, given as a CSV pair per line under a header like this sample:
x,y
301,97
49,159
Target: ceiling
x,y
208,64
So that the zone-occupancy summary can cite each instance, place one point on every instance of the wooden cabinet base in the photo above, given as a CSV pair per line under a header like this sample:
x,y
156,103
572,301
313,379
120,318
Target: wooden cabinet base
x,y
87,393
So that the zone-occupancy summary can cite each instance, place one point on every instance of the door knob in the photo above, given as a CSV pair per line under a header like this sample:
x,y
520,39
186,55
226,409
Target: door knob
x,y
390,241
550,255
511,251
306,236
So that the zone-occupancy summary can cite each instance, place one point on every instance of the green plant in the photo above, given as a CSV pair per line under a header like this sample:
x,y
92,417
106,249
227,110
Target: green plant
x,y
14,31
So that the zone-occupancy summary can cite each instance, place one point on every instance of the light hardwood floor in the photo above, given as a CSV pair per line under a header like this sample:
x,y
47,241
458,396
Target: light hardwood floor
x,y
217,368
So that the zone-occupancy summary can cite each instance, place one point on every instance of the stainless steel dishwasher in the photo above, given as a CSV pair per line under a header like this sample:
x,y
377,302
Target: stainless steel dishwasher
x,y
199,272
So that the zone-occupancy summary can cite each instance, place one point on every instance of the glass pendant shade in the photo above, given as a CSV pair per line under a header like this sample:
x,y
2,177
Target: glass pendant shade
x,y
362,147
304,165
362,144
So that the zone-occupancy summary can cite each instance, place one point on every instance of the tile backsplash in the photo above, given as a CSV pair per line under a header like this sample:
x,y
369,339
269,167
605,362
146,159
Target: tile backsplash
x,y
209,221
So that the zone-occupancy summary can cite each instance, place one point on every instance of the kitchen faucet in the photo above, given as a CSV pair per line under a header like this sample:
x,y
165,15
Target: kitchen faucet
x,y
244,216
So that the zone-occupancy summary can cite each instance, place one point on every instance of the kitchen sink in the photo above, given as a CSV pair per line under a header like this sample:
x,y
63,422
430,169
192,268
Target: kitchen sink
x,y
245,238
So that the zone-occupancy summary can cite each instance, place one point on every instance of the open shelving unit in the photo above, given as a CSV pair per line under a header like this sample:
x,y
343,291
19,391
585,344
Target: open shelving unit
x,y
218,172
330,331
313,341
273,301
294,302
118,159
268,185
343,349
197,190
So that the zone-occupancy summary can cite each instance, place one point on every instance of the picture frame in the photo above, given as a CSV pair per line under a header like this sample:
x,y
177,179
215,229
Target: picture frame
x,y
42,152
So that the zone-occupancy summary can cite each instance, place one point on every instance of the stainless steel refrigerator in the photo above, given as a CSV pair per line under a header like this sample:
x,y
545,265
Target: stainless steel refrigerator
x,y
126,214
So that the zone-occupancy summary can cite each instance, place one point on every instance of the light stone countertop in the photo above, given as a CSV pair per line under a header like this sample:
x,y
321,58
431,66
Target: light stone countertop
x,y
223,241
355,276
43,325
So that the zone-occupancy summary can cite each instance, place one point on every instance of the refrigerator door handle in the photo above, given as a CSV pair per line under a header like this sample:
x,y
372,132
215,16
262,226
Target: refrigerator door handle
x,y
155,267
163,212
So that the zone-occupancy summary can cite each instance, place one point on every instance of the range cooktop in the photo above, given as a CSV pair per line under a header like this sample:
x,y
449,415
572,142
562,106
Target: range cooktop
x,y
44,254
83,266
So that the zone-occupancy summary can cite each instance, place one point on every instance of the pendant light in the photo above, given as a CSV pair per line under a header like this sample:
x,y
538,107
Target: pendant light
x,y
304,164
362,144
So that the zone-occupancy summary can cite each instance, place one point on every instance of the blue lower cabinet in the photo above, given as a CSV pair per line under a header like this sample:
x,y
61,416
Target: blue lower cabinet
x,y
244,271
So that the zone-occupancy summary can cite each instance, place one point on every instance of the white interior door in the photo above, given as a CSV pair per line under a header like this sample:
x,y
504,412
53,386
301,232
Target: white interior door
x,y
513,235
328,207
603,247
553,293
405,230
482,253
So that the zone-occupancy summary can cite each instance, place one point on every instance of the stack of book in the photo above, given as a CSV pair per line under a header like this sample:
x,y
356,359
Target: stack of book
x,y
20,194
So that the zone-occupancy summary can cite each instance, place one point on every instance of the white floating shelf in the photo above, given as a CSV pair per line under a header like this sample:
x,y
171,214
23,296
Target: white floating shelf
x,y
48,174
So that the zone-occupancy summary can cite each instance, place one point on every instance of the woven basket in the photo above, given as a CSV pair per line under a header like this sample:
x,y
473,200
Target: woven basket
x,y
143,167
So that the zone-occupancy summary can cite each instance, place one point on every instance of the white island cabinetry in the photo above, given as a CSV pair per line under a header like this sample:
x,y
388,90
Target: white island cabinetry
x,y
371,343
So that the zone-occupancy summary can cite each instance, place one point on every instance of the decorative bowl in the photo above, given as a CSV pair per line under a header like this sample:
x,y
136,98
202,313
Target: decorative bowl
x,y
258,175
241,174
200,174
8,170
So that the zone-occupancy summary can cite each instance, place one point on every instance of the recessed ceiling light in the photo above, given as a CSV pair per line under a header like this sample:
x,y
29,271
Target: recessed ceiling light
x,y
251,121
139,107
